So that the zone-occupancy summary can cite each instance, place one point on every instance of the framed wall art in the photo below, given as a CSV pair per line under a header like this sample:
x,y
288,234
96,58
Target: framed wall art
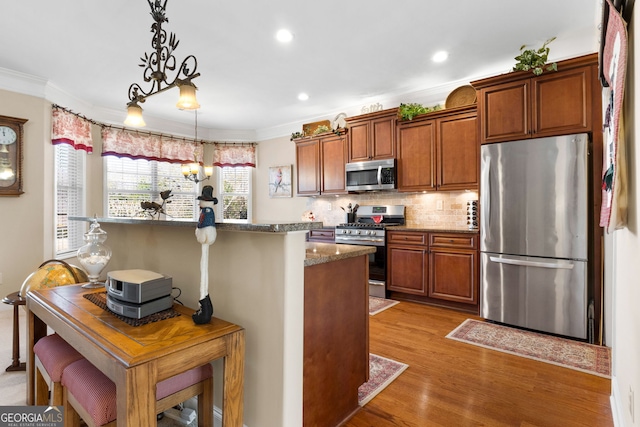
x,y
11,140
280,181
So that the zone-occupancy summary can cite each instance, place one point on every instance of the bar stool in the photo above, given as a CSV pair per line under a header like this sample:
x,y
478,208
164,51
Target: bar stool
x,y
15,300
90,396
52,355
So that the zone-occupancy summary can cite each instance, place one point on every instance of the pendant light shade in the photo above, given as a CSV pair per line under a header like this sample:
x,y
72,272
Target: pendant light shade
x,y
134,115
187,99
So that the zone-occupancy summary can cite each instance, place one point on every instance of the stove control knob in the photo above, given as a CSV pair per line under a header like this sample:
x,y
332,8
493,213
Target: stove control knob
x,y
358,232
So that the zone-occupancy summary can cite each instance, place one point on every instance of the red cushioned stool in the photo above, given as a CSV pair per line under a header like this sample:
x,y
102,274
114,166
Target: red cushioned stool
x,y
52,355
91,396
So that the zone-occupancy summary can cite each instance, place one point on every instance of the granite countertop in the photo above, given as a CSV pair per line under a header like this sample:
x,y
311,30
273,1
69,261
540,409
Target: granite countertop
x,y
273,227
320,253
432,229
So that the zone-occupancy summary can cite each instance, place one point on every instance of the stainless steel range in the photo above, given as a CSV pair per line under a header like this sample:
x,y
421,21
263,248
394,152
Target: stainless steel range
x,y
369,228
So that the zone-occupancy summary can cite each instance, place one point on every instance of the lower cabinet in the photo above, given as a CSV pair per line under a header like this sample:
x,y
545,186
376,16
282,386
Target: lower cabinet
x,y
434,268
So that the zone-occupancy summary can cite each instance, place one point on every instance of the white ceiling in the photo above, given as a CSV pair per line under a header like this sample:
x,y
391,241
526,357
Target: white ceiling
x,y
345,54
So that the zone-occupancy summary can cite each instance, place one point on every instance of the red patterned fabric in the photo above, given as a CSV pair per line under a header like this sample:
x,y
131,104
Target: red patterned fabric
x,y
68,128
182,381
92,389
55,354
234,155
613,212
97,393
141,145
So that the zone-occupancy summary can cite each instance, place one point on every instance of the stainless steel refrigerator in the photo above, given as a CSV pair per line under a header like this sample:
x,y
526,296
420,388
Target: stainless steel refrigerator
x,y
534,234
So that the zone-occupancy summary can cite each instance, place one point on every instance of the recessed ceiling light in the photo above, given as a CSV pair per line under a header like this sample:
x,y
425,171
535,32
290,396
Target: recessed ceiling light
x,y
303,96
284,36
440,56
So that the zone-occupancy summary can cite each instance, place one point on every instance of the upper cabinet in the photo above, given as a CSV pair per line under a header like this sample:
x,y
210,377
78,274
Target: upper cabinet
x,y
320,164
519,105
372,136
439,151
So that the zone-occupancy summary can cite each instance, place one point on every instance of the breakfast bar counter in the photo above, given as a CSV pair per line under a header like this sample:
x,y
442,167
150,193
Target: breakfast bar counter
x,y
256,279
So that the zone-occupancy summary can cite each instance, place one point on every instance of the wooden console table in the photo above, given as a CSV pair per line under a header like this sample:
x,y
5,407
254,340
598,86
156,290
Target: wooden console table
x,y
136,358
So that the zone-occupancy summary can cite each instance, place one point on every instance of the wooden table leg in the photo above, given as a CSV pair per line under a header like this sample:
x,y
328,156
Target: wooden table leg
x,y
36,329
136,395
15,362
14,299
233,393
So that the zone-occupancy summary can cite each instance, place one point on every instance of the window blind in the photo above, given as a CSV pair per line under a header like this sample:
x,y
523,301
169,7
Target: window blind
x,y
133,181
69,199
235,192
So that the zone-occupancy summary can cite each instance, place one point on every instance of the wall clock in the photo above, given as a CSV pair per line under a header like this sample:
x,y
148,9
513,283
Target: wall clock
x,y
11,145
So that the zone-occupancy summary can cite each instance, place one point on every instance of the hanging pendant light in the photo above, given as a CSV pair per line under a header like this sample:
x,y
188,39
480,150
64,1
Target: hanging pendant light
x,y
192,171
187,99
134,115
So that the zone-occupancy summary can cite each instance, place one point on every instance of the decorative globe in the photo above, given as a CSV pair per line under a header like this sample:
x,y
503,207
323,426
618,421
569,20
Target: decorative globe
x,y
53,273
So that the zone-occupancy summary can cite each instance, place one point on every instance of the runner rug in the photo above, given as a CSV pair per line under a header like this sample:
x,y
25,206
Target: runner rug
x,y
382,372
577,355
376,304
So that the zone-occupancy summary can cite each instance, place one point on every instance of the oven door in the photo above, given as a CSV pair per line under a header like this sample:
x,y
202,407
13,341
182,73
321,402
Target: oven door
x,y
378,272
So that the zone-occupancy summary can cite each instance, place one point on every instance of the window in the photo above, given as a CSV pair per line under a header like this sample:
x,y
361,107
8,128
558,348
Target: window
x,y
69,199
131,182
234,187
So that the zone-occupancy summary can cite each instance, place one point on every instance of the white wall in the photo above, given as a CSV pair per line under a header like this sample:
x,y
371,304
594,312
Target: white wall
x,y
26,221
624,266
276,152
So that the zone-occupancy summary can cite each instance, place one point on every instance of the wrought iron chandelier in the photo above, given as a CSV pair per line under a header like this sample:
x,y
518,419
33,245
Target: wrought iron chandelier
x,y
156,66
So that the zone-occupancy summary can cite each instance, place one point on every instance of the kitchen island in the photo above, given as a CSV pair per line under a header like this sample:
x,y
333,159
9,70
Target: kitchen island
x,y
257,280
336,331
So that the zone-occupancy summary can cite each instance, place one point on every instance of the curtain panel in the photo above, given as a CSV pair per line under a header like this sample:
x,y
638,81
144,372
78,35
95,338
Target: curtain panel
x,y
69,128
234,155
142,145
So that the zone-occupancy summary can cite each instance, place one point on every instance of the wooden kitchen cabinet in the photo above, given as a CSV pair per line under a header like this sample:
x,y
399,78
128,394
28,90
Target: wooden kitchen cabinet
x,y
407,262
434,268
372,136
320,165
519,105
333,157
453,265
439,151
308,170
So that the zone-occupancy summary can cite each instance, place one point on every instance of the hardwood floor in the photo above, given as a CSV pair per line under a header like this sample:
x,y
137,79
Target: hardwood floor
x,y
449,383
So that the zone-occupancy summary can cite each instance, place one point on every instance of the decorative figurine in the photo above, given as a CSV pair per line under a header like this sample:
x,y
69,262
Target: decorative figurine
x,y
206,235
154,209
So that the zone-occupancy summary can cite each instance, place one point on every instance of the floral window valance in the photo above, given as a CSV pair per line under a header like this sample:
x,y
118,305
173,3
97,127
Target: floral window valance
x,y
143,145
69,128
234,155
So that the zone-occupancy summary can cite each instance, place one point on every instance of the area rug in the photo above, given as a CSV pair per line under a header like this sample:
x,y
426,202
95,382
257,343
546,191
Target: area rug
x,y
376,304
577,355
382,372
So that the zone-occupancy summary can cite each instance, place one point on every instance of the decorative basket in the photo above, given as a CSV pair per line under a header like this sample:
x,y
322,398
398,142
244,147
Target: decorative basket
x,y
464,95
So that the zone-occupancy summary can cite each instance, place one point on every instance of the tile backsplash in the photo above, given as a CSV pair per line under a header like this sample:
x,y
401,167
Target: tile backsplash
x,y
423,210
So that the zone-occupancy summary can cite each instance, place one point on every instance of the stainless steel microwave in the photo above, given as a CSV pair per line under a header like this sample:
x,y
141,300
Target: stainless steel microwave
x,y
371,175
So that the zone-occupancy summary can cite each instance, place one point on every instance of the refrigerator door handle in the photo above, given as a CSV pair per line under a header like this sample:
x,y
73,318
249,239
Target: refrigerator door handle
x,y
485,195
560,265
